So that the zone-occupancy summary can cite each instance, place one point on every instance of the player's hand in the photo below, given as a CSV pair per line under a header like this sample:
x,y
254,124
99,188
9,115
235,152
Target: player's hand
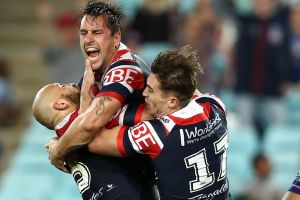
x,y
51,143
88,77
86,95
53,157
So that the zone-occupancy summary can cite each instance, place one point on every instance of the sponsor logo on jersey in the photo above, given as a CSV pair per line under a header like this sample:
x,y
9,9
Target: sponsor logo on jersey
x,y
144,138
214,194
102,191
164,119
189,136
120,74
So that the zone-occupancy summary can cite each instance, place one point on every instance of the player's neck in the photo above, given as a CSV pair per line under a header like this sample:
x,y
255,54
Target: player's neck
x,y
64,124
62,115
169,111
146,115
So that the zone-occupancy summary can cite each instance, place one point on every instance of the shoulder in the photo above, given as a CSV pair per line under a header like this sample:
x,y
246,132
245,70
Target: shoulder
x,y
211,99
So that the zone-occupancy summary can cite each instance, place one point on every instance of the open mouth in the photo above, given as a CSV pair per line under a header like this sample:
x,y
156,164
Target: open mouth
x,y
92,53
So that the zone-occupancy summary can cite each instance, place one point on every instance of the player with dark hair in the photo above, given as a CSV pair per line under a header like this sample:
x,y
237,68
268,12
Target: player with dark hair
x,y
294,191
120,77
188,140
113,12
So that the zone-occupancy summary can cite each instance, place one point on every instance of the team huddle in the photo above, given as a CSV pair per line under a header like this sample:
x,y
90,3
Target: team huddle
x,y
128,131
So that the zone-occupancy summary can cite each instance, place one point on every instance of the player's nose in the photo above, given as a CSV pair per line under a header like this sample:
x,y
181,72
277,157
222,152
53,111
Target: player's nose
x,y
145,92
72,85
89,37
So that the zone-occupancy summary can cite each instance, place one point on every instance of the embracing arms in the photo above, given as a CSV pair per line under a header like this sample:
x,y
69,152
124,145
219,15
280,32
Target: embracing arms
x,y
84,128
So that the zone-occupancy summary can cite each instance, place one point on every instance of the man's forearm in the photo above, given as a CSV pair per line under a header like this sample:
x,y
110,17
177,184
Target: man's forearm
x,y
88,82
105,142
87,125
85,102
74,138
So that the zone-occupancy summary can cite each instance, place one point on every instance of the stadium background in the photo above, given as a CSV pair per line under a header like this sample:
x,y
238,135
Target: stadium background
x,y
28,26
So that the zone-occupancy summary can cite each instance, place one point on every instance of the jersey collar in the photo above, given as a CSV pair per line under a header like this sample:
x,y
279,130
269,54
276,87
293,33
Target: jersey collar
x,y
62,126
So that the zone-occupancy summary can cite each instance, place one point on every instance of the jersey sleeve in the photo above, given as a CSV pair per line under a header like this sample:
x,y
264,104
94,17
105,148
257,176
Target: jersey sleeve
x,y
211,99
295,188
144,138
129,115
122,79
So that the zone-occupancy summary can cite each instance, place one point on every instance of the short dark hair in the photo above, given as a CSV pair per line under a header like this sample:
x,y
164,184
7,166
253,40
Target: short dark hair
x,y
112,11
177,71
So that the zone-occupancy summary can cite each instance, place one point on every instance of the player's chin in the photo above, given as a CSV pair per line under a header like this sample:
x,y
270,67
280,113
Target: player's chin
x,y
96,64
94,59
147,104
147,107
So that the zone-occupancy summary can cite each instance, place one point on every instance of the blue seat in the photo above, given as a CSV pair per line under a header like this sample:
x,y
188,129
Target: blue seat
x,y
228,98
243,140
186,6
31,176
243,144
282,139
130,7
239,171
148,51
291,101
282,146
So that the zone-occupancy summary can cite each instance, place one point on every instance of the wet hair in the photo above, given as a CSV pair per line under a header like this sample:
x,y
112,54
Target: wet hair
x,y
176,71
112,11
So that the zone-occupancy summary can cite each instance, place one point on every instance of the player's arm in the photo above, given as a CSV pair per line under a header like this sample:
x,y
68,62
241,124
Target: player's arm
x,y
86,95
144,138
105,142
291,196
83,129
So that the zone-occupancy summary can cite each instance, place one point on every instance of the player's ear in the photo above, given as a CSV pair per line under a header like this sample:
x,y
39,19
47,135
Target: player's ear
x,y
173,102
117,39
61,104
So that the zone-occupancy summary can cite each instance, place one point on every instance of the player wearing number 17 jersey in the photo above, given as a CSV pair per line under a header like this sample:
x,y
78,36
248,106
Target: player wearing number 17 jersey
x,y
188,140
187,148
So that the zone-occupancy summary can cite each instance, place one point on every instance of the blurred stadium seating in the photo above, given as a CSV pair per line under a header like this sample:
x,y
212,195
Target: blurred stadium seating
x,y
243,144
25,170
292,100
282,146
148,51
130,7
30,175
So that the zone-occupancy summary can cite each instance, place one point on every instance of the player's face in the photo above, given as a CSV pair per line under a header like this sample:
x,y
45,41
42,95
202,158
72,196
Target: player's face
x,y
156,100
70,91
96,41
